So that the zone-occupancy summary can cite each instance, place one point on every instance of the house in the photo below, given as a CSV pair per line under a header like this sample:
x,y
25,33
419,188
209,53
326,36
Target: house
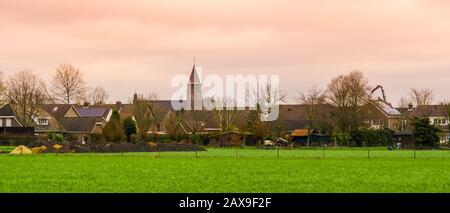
x,y
300,137
8,117
46,122
82,128
74,122
10,126
231,138
438,116
380,114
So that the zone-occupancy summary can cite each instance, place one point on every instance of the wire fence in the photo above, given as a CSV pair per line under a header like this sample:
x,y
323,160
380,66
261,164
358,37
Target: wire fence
x,y
278,153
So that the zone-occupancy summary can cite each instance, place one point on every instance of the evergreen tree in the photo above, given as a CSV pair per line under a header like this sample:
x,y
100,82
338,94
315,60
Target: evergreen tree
x,y
113,131
129,127
115,115
425,135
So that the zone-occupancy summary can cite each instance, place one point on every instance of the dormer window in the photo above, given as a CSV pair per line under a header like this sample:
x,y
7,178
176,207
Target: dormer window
x,y
43,121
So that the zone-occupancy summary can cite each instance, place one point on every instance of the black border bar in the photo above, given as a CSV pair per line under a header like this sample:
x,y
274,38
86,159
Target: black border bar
x,y
172,201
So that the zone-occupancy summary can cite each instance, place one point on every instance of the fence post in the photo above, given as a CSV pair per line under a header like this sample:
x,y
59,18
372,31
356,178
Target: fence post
x,y
323,153
278,152
236,154
196,155
368,153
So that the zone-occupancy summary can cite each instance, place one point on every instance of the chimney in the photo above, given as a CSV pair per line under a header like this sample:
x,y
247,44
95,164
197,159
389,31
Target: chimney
x,y
135,98
118,105
410,107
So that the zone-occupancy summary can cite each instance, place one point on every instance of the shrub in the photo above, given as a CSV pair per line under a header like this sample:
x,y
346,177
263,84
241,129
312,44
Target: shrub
x,y
195,139
112,131
163,138
425,135
135,138
71,138
58,137
129,127
97,139
371,137
16,140
50,135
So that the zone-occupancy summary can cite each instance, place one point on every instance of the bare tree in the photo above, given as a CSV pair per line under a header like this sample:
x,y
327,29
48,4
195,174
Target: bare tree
x,y
311,99
173,124
421,97
194,121
348,94
3,98
264,98
404,102
146,112
26,92
224,113
313,96
68,84
98,96
261,119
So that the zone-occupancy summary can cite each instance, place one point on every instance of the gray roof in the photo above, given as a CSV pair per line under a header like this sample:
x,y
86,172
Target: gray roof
x,y
386,108
57,110
92,112
430,111
85,124
7,111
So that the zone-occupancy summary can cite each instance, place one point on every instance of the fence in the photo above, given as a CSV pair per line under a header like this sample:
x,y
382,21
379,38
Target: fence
x,y
322,153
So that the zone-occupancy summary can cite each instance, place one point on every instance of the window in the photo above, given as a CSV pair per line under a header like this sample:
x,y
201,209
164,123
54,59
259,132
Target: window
x,y
443,139
436,121
8,122
43,121
1,122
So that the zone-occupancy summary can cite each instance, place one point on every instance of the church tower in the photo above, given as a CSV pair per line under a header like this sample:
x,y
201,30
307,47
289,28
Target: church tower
x,y
194,90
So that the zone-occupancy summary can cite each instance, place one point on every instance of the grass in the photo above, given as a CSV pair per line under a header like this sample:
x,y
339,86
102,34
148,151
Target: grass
x,y
219,170
6,149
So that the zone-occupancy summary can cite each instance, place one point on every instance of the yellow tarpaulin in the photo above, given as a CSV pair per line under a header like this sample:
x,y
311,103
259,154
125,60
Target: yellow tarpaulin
x,y
21,150
57,146
38,149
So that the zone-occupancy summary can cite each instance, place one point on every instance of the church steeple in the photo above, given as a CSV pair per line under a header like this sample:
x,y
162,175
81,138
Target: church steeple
x,y
194,89
193,78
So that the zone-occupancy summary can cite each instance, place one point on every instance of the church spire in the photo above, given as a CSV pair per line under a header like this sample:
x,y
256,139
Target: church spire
x,y
193,78
194,89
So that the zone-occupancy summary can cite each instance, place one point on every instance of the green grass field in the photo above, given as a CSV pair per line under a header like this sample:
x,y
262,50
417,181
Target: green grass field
x,y
6,149
230,170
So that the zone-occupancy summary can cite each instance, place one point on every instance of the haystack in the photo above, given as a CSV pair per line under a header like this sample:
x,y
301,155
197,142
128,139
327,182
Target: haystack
x,y
21,150
40,149
57,146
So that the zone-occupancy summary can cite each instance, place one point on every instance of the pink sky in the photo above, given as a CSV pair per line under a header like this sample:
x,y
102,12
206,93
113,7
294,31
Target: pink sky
x,y
140,45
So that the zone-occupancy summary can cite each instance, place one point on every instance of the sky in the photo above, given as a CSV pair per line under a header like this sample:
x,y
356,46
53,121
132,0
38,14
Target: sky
x,y
139,45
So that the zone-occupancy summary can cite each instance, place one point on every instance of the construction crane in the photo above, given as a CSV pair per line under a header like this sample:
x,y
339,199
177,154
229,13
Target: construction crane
x,y
382,91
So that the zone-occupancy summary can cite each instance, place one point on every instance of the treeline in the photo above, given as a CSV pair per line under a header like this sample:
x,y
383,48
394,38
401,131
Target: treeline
x,y
347,94
27,91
